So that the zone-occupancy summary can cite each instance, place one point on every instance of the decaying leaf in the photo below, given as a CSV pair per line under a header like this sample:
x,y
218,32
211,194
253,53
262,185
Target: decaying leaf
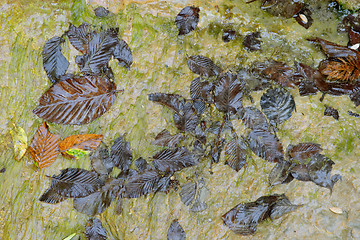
x,y
173,101
266,145
19,139
330,111
44,148
280,174
277,104
284,8
188,193
236,153
75,182
70,236
253,78
123,54
142,164
101,161
253,118
52,196
343,69
252,42
176,232
94,230
172,160
228,35
203,66
278,72
228,93
78,100
201,90
244,218
98,201
307,75
187,19
121,154
55,64
302,151
333,50
195,194
164,138
84,142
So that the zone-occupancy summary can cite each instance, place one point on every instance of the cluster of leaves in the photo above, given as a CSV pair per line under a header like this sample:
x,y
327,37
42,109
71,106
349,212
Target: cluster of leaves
x,y
80,99
93,191
46,146
244,218
288,9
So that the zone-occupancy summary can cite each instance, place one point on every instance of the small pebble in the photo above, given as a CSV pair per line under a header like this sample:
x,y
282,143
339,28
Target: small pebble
x,y
336,210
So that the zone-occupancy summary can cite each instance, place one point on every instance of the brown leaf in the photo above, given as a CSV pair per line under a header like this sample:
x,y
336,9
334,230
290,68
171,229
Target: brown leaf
x,y
302,151
279,72
334,50
78,100
44,147
342,69
86,142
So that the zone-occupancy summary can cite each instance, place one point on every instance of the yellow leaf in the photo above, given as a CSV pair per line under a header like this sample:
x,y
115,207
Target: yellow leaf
x,y
70,236
19,141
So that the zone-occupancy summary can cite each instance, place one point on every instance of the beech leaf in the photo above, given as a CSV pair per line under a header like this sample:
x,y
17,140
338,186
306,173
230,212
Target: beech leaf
x,y
253,118
176,232
302,151
78,100
121,154
52,196
277,104
203,66
79,37
55,64
187,19
75,182
122,53
86,142
101,161
188,193
201,90
94,230
44,148
20,142
236,154
266,145
280,174
165,139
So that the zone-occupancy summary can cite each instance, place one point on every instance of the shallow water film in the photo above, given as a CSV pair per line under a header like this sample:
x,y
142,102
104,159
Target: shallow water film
x,y
201,188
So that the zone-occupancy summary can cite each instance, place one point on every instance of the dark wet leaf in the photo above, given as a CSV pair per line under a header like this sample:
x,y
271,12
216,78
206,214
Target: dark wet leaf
x,y
303,17
172,160
82,142
187,119
75,182
123,54
216,149
146,182
188,193
352,26
252,42
278,105
94,230
187,19
101,12
341,69
244,218
333,50
307,84
265,145
100,51
141,164
121,154
278,72
78,100
201,90
353,114
228,93
79,37
164,138
55,64
52,196
228,35
44,148
203,66
236,154
3,170
253,118
280,174
284,8
98,201
253,79
173,101
199,204
300,172
101,161
302,151
332,112
176,232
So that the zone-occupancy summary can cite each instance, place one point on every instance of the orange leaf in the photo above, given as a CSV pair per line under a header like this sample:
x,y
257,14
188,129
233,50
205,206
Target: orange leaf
x,y
44,147
86,142
343,69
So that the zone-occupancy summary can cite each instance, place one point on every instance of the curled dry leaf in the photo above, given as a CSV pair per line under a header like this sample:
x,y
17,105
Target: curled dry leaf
x,y
172,160
19,139
55,64
121,154
44,148
244,218
266,145
75,182
187,19
81,142
203,66
277,104
78,100
176,232
228,93
236,153
94,230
